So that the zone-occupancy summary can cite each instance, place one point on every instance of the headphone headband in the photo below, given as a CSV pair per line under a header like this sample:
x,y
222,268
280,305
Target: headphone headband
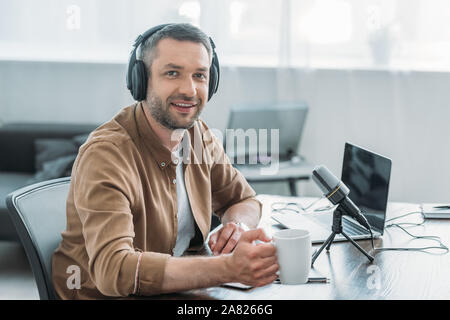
x,y
137,77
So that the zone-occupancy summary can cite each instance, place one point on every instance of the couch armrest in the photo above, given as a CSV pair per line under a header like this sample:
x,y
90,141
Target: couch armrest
x,y
17,152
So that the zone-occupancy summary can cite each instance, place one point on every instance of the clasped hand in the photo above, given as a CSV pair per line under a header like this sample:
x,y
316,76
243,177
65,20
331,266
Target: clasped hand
x,y
225,239
251,262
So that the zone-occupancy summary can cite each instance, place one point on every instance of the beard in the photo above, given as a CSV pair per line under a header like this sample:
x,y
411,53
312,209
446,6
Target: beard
x,y
161,112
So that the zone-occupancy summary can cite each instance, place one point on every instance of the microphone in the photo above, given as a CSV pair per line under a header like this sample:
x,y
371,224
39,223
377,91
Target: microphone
x,y
337,192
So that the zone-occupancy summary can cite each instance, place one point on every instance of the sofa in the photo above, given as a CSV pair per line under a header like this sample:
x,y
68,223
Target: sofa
x,y
33,152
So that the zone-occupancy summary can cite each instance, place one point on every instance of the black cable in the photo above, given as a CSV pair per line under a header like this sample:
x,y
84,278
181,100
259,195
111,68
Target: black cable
x,y
371,238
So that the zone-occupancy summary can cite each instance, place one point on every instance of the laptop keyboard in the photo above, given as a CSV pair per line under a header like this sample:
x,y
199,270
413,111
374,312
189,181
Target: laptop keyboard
x,y
352,229
348,227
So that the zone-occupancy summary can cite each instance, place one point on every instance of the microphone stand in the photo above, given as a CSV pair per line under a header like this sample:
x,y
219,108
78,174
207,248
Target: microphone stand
x,y
336,229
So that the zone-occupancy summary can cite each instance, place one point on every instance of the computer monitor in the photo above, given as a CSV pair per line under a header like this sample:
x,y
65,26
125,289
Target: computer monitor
x,y
289,119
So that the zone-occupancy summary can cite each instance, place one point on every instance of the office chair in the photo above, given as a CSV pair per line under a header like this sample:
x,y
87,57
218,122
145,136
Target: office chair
x,y
38,212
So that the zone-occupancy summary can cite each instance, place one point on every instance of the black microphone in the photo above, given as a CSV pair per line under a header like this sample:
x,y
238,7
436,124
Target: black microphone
x,y
337,192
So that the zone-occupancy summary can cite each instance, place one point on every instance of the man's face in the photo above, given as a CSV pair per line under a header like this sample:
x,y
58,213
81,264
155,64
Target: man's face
x,y
178,86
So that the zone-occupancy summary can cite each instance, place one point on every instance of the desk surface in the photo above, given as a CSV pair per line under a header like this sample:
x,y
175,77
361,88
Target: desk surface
x,y
392,275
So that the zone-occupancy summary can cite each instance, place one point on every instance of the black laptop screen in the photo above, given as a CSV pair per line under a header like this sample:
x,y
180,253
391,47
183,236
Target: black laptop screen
x,y
367,176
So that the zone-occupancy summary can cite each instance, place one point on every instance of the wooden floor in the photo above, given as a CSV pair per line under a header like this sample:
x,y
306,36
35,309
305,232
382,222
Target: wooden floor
x,y
16,279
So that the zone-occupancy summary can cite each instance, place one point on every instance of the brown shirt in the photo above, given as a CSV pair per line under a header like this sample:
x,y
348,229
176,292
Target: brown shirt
x,y
122,206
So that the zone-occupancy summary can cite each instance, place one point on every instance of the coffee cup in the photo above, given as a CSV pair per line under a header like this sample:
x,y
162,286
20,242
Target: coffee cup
x,y
294,255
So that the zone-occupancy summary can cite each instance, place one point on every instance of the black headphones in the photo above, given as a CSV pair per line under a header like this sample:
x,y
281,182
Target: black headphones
x,y
137,77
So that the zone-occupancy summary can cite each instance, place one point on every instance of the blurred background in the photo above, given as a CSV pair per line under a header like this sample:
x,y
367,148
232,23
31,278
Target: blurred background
x,y
372,72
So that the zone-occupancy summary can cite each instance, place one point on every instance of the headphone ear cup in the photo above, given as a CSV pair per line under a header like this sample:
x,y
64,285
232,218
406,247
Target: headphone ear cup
x,y
212,82
139,81
213,77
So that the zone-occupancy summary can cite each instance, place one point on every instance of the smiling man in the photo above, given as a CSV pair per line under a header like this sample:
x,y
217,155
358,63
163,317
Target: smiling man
x,y
145,184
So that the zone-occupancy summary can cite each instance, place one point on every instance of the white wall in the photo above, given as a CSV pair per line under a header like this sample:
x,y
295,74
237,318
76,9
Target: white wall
x,y
61,92
401,115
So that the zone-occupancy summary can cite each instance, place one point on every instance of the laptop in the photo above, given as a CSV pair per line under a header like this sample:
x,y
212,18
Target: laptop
x,y
247,147
367,175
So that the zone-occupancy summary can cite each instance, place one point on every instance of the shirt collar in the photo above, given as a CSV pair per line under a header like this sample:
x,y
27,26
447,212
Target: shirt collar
x,y
151,141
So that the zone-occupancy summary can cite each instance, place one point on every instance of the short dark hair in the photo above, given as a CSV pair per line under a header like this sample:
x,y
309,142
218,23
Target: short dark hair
x,y
178,31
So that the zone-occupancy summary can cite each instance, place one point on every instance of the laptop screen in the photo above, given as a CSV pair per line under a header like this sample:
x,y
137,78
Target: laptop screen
x,y
367,175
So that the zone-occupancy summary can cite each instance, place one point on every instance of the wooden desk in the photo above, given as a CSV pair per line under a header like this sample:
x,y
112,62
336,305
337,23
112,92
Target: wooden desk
x,y
392,275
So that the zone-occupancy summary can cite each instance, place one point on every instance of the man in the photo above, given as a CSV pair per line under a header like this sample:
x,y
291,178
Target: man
x,y
134,207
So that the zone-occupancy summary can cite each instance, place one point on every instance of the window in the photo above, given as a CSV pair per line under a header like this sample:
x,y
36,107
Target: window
x,y
392,34
245,32
82,30
396,34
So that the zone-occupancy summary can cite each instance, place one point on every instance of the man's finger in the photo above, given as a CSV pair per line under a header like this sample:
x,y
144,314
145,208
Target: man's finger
x,y
270,270
267,262
267,280
256,234
226,233
232,242
265,250
213,240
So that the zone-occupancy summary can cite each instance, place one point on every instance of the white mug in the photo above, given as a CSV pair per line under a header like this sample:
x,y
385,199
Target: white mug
x,y
294,255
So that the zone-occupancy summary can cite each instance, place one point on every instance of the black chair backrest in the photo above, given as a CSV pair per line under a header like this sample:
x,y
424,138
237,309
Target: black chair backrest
x,y
38,212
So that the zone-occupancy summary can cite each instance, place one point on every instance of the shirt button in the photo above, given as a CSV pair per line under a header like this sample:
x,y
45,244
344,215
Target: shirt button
x,y
174,181
175,161
163,164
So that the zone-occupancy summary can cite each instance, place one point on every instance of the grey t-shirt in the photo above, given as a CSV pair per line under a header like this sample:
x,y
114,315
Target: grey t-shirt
x,y
186,222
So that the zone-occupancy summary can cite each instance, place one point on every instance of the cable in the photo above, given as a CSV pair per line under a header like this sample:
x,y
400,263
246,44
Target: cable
x,y
399,225
281,206
285,206
371,238
311,204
